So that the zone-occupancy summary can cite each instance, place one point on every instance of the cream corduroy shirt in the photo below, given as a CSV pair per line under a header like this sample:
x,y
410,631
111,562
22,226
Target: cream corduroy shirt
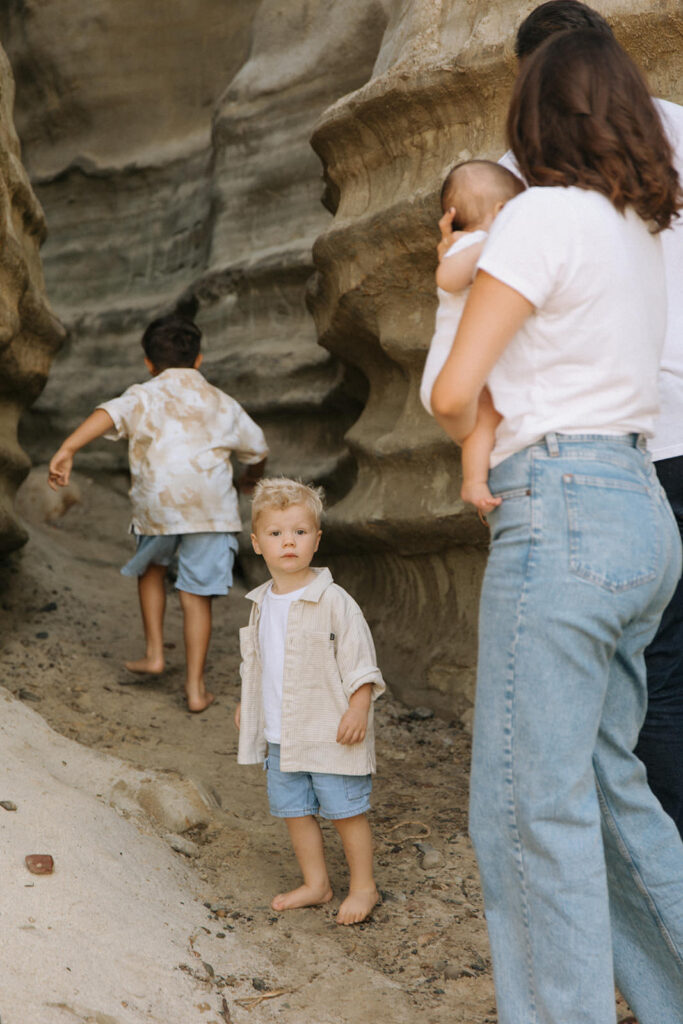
x,y
329,654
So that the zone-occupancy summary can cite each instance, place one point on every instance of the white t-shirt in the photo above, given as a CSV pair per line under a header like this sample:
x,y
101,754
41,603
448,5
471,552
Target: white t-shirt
x,y
448,313
272,635
668,436
586,360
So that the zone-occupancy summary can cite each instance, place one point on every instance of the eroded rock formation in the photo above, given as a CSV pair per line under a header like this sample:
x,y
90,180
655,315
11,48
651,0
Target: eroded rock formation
x,y
184,170
29,333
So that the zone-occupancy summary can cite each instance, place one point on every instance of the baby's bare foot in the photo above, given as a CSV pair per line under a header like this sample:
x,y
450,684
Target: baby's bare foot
x,y
304,896
357,906
201,702
146,665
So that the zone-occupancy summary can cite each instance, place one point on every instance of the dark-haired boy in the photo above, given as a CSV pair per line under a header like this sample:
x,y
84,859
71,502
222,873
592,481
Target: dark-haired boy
x,y
181,433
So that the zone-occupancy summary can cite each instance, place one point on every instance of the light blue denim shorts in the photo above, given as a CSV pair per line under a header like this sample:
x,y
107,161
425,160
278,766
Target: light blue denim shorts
x,y
298,794
205,560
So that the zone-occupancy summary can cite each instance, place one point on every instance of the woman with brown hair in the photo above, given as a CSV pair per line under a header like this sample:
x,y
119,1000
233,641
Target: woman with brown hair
x,y
582,870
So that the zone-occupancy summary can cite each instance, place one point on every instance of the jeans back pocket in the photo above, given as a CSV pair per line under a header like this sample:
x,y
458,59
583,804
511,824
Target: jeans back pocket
x,y
613,536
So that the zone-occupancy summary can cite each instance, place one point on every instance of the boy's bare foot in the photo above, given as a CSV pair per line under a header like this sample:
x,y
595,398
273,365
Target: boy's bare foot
x,y
304,896
146,666
200,703
357,906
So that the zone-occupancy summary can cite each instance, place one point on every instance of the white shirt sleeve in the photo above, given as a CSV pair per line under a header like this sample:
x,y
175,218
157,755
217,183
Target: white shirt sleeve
x,y
528,243
125,412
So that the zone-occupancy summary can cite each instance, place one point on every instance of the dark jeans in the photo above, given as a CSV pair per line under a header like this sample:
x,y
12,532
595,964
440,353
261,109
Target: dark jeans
x,y
660,745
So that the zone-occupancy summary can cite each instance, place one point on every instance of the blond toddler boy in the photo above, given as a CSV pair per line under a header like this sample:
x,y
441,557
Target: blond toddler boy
x,y
181,433
472,196
309,680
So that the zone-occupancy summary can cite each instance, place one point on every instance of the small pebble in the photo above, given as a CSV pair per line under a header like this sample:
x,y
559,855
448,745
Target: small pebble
x,y
429,856
259,984
25,694
51,606
182,845
42,635
8,805
40,863
421,714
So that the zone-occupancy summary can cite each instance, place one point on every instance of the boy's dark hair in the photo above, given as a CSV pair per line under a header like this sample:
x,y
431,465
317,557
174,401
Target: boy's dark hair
x,y
581,115
556,16
171,341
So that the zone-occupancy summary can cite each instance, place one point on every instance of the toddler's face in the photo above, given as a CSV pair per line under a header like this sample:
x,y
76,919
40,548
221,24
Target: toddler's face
x,y
287,538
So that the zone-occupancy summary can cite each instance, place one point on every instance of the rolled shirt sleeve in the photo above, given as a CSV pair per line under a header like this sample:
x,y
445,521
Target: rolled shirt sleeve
x,y
356,656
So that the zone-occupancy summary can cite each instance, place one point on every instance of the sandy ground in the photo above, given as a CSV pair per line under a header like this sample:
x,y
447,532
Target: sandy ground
x,y
191,937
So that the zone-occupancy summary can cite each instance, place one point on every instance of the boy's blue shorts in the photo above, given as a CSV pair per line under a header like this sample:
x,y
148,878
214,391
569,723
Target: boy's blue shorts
x,y
205,560
298,794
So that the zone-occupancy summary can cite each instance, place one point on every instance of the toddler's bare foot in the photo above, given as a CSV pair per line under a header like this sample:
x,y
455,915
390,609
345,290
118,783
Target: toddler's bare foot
x,y
146,665
357,906
200,702
304,896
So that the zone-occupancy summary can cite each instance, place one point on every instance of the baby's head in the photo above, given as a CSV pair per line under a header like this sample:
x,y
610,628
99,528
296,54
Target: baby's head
x,y
283,508
172,342
478,190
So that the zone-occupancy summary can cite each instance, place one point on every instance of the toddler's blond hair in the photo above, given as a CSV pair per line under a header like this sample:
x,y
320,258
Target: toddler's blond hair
x,y
280,492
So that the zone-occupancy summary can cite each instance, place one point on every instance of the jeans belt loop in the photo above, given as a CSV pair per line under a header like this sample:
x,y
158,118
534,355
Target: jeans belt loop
x,y
552,445
641,442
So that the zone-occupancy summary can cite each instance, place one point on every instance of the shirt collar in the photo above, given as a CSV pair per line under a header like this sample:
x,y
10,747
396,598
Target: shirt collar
x,y
313,592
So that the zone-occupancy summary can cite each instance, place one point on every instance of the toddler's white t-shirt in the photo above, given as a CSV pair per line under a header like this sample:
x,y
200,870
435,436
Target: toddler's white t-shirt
x,y
448,313
586,360
272,636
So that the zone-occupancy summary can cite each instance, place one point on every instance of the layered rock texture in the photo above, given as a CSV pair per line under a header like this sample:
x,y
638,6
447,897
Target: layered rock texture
x,y
172,152
29,333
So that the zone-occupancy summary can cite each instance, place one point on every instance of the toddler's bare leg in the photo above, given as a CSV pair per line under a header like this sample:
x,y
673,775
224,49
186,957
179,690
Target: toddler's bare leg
x,y
357,841
197,632
152,594
307,840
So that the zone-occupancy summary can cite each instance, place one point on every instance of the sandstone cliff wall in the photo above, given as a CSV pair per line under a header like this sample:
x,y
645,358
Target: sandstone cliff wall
x,y
172,156
29,333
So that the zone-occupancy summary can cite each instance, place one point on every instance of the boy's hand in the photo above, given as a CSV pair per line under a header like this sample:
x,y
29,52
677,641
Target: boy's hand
x,y
238,715
353,726
60,469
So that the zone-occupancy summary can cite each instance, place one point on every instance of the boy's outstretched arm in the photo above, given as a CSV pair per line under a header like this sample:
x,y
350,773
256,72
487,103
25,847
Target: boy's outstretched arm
x,y
97,424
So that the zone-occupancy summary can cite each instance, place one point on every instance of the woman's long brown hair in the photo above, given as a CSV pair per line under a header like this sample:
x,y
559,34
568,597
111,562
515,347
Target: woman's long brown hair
x,y
582,115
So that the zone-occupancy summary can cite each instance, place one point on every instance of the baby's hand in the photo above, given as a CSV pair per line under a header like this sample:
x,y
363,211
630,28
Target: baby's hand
x,y
448,236
477,493
353,726
238,715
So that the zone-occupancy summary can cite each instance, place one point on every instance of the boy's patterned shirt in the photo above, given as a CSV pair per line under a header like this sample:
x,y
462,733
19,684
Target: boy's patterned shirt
x,y
181,432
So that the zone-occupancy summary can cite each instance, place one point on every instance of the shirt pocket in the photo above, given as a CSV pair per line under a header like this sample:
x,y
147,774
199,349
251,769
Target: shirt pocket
x,y
319,692
614,542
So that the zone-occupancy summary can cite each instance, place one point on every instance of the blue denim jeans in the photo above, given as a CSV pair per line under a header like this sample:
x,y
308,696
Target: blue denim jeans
x,y
660,745
581,868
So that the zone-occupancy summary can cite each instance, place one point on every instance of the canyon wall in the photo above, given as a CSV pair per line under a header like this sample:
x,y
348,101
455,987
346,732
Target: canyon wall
x,y
183,158
29,333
